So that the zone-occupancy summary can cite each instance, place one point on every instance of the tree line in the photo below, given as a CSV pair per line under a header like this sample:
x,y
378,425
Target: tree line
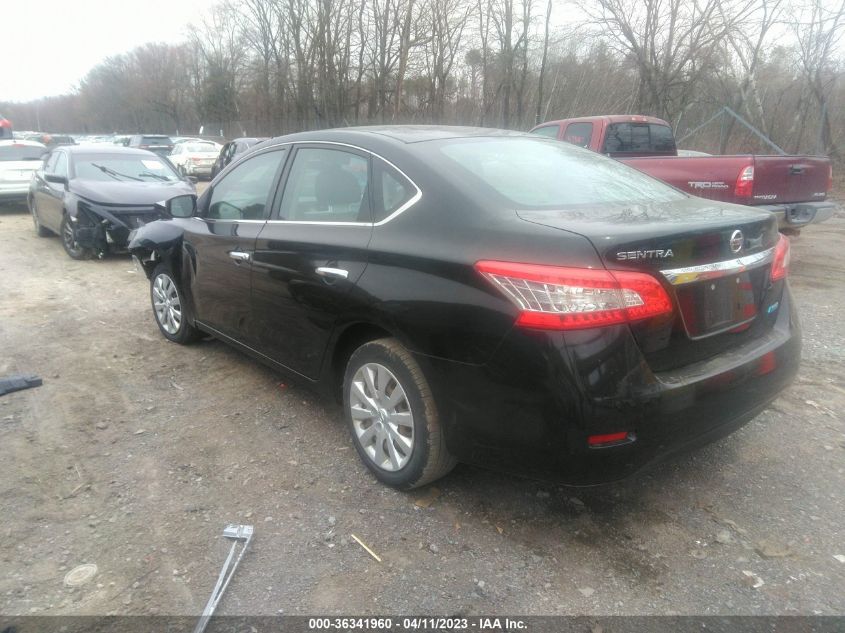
x,y
268,67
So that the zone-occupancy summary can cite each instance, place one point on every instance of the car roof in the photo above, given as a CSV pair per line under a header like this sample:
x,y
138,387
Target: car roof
x,y
20,141
402,133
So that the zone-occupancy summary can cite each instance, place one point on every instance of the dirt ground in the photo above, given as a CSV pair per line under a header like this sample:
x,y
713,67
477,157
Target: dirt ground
x,y
136,452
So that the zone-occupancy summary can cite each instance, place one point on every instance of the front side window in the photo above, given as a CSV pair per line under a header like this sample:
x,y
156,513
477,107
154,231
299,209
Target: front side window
x,y
243,193
61,165
327,185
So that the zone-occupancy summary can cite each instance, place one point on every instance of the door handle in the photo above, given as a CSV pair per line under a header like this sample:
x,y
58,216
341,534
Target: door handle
x,y
336,273
239,256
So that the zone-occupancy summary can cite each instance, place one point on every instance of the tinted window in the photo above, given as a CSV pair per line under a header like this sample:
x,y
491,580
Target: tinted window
x,y
624,138
550,130
392,191
536,173
579,134
123,168
327,185
243,193
21,152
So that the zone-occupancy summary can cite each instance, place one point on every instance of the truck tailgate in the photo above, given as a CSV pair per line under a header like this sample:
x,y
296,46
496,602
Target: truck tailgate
x,y
712,177
777,179
782,179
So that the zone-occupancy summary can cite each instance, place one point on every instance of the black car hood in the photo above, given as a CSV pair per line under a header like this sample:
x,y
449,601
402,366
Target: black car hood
x,y
128,193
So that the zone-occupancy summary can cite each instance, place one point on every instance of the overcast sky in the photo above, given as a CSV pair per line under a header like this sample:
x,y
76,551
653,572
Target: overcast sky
x,y
49,45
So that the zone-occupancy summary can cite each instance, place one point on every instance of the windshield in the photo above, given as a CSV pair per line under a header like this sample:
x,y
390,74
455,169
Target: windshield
x,y
538,173
21,152
123,168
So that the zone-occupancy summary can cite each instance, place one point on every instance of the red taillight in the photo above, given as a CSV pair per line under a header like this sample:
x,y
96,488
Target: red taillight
x,y
597,441
745,182
780,266
557,298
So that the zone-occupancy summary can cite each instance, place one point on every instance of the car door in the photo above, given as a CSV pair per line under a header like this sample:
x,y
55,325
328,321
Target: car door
x,y
51,194
219,244
311,254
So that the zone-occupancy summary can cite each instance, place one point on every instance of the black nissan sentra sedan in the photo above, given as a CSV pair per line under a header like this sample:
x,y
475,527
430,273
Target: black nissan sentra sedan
x,y
483,296
93,196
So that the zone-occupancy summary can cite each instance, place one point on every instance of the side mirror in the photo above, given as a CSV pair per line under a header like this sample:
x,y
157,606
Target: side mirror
x,y
55,178
179,207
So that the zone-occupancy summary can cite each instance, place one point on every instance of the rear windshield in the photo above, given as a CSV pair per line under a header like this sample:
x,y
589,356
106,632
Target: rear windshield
x,y
545,174
156,140
21,152
123,168
645,138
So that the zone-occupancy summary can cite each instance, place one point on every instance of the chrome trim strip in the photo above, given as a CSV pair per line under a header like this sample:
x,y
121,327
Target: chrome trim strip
x,y
692,274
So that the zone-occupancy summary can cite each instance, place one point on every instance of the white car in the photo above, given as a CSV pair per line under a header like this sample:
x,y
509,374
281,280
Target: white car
x,y
18,161
195,158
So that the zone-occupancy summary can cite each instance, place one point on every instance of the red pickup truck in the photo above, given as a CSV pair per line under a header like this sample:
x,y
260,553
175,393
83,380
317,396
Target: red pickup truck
x,y
794,188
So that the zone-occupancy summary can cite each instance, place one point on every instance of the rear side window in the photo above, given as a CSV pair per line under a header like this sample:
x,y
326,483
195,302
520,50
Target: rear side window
x,y
327,185
540,174
392,190
629,138
21,152
549,130
579,134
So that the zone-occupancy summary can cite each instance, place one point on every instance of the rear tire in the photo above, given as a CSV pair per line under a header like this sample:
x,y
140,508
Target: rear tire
x,y
392,416
169,308
40,231
69,240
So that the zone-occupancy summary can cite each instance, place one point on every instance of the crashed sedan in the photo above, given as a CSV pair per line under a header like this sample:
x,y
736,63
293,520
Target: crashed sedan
x,y
483,296
92,197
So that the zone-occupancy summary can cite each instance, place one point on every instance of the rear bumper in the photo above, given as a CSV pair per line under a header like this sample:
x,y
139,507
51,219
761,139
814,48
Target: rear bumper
x,y
801,214
14,191
198,170
532,408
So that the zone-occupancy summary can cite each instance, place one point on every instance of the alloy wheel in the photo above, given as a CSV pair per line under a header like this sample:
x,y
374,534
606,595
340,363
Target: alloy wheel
x,y
167,304
382,417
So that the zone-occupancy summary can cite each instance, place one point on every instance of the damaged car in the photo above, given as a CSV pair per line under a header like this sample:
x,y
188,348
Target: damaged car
x,y
92,197
483,296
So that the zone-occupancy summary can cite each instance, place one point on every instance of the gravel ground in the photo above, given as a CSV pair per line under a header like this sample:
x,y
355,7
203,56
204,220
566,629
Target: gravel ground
x,y
136,452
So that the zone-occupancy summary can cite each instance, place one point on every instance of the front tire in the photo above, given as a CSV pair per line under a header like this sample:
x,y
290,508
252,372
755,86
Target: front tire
x,y
169,307
70,241
392,416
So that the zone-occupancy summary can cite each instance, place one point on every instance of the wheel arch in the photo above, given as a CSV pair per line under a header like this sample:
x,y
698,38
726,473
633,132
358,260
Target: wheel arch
x,y
350,338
